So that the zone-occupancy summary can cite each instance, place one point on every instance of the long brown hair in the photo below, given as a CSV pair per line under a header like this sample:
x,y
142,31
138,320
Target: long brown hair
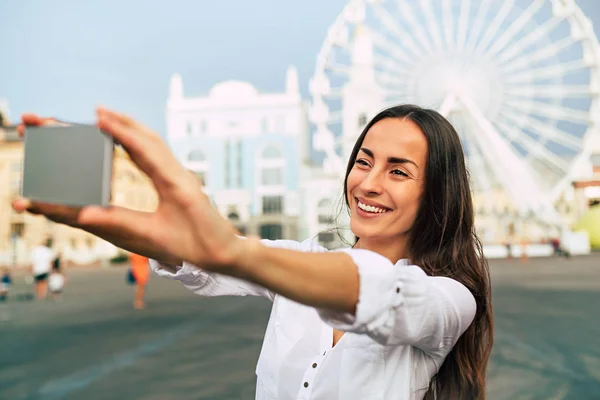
x,y
443,242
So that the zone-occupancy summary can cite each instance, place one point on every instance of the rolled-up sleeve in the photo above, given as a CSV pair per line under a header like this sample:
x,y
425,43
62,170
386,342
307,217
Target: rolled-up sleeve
x,y
401,305
207,283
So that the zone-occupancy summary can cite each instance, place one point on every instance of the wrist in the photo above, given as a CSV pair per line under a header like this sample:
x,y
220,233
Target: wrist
x,y
248,252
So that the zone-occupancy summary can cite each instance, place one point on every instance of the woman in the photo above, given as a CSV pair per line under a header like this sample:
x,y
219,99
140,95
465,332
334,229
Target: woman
x,y
404,314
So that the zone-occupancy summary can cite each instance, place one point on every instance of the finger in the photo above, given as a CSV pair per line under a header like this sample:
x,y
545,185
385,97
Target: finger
x,y
147,151
125,120
63,214
33,120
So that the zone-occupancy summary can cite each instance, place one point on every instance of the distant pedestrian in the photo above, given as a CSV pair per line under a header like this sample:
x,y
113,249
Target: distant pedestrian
x,y
56,281
559,251
140,270
5,284
42,258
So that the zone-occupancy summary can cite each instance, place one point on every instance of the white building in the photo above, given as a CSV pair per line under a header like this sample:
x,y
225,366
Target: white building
x,y
247,148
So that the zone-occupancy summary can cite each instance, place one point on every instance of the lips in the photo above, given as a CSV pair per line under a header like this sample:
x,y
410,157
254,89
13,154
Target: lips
x,y
371,208
372,204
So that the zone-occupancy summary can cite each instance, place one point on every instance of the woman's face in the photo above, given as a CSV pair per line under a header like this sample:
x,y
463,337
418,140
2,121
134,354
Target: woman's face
x,y
387,180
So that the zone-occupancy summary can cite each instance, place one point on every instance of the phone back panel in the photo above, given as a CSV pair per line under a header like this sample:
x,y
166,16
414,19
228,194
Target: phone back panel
x,y
70,165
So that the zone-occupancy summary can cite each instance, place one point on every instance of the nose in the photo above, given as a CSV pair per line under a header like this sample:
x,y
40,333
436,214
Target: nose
x,y
373,182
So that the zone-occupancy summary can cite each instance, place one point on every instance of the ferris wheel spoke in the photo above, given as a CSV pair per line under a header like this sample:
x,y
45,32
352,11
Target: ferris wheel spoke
x,y
548,131
494,27
482,11
552,71
432,23
390,68
503,160
516,27
335,118
552,111
394,27
536,149
463,22
548,91
396,98
390,79
338,69
406,11
448,23
519,46
525,61
391,48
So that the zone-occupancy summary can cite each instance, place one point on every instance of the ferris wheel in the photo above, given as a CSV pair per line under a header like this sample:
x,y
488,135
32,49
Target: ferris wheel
x,y
519,80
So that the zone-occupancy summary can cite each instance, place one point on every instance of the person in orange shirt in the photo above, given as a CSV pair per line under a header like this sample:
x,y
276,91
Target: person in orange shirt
x,y
140,269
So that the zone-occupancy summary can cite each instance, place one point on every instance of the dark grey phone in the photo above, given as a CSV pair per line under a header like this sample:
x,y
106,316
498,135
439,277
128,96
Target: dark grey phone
x,y
70,165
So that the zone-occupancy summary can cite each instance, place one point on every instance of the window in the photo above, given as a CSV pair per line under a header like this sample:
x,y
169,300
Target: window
x,y
326,238
203,126
16,185
227,162
196,156
362,120
272,204
17,229
201,175
324,212
271,176
189,128
265,125
239,164
271,231
271,152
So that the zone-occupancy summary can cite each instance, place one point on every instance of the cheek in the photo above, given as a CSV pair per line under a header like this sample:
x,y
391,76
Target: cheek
x,y
352,181
408,200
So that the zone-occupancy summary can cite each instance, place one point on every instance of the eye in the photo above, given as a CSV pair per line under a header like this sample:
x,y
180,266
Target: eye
x,y
362,162
399,172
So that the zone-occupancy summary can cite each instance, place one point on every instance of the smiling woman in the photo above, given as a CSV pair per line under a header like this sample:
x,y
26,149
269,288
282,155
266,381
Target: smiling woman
x,y
403,314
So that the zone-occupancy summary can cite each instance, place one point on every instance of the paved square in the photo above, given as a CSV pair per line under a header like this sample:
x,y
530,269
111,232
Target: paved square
x,y
92,345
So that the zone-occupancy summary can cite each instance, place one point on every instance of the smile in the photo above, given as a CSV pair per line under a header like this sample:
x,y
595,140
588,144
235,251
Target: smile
x,y
371,209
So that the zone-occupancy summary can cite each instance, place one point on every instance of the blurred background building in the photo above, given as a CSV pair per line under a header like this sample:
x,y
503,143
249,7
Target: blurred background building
x,y
247,148
518,80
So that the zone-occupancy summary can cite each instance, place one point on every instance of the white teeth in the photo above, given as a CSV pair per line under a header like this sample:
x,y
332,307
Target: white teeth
x,y
371,209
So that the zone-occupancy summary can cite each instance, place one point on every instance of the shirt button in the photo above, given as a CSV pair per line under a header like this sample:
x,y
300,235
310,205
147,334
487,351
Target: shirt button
x,y
324,352
305,384
314,365
397,290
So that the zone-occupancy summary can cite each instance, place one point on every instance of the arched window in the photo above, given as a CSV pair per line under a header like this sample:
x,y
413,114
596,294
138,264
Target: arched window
x,y
271,152
196,156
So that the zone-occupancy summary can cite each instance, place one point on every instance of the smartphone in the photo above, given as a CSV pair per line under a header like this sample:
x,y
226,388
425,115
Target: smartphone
x,y
69,165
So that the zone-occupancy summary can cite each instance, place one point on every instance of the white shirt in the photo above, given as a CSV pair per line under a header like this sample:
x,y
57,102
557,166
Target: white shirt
x,y
405,324
56,282
42,257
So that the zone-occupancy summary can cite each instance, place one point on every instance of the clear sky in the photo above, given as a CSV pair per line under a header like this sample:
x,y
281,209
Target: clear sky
x,y
63,57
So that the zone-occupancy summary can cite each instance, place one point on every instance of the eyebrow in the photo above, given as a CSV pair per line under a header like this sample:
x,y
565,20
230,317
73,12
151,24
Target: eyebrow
x,y
391,160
